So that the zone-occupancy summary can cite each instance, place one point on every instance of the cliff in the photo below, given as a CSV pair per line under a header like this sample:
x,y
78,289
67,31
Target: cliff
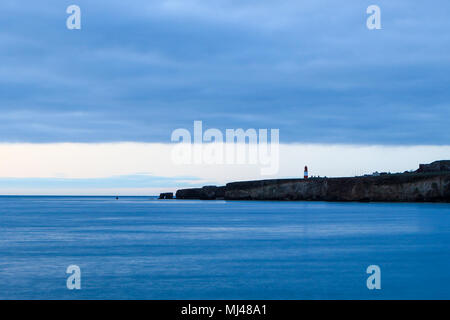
x,y
431,183
205,193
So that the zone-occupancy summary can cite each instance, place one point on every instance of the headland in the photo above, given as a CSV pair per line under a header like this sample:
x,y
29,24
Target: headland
x,y
430,183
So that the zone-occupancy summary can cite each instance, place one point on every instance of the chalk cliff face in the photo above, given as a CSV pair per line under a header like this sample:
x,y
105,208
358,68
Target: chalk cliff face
x,y
431,184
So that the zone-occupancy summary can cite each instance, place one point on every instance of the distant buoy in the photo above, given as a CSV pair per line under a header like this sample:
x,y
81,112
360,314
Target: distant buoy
x,y
117,198
305,175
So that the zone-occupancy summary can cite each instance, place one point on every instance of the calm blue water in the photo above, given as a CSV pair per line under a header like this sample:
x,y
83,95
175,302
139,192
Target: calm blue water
x,y
141,248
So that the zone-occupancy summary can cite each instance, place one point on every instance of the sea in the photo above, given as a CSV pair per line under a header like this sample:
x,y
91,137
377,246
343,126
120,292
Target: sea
x,y
145,248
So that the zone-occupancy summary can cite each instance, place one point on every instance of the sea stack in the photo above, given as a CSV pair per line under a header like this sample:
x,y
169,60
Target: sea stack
x,y
166,195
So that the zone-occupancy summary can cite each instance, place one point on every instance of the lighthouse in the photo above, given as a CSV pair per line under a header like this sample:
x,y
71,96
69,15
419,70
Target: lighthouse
x,y
305,175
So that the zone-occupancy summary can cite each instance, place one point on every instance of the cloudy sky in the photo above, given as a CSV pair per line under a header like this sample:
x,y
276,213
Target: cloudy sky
x,y
140,69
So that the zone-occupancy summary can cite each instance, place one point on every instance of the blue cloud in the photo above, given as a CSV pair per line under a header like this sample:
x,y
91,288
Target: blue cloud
x,y
135,72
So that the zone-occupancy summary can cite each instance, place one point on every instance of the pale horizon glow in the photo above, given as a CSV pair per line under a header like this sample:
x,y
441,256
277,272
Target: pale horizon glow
x,y
88,161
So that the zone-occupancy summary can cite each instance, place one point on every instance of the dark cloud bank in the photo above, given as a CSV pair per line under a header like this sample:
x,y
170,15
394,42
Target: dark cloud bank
x,y
135,72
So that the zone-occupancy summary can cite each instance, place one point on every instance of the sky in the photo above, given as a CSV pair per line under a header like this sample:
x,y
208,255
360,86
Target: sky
x,y
138,70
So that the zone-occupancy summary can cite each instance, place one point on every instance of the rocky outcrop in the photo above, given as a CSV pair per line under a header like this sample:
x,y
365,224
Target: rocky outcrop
x,y
437,166
431,183
205,193
167,195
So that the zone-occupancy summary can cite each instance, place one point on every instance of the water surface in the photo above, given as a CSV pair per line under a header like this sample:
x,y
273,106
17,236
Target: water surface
x,y
143,248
